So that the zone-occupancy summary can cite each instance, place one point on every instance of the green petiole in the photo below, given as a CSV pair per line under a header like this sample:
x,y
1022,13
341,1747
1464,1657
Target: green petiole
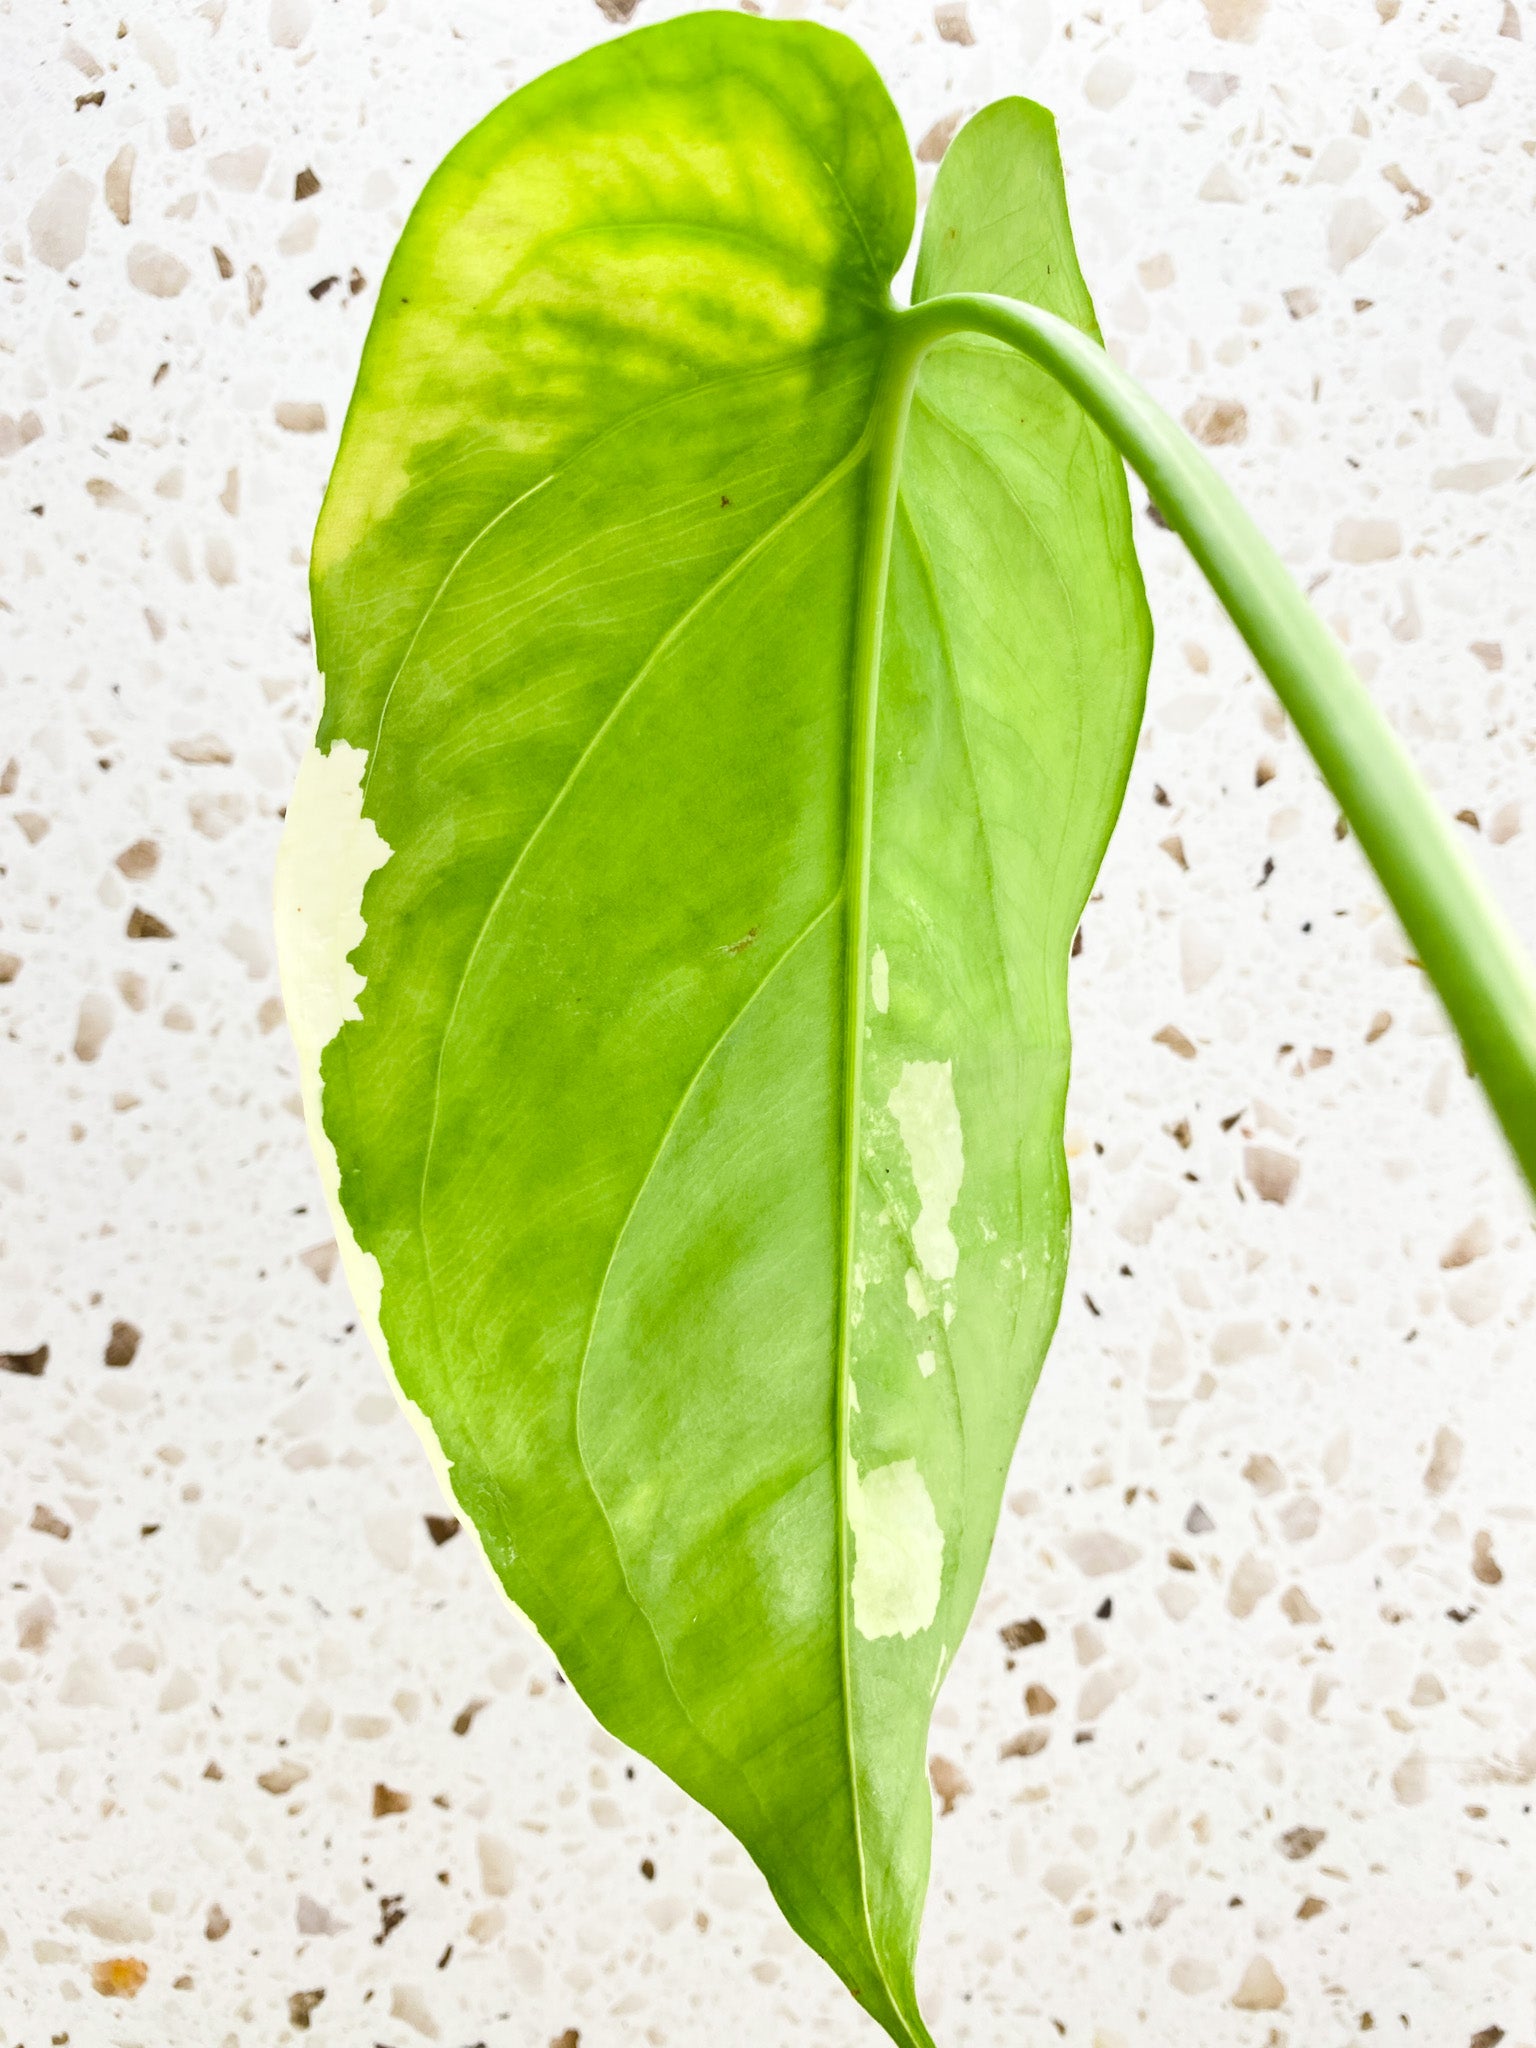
x,y
1481,971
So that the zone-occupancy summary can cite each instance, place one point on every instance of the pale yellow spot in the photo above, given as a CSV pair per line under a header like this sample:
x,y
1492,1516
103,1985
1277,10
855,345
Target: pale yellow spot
x,y
917,1299
927,1364
928,1117
898,1551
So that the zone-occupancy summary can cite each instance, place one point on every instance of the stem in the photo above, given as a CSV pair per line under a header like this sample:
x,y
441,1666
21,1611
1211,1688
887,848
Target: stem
x,y
1471,954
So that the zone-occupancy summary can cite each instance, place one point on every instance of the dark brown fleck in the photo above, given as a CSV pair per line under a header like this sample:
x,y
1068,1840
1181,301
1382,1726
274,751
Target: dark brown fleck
x,y
300,2005
1029,1743
465,1720
442,1528
1019,1635
122,1345
386,1801
143,924
1298,1843
391,1913
31,1365
949,1782
306,184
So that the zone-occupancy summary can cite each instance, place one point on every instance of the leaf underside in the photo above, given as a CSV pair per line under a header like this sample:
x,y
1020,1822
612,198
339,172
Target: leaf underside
x,y
724,1314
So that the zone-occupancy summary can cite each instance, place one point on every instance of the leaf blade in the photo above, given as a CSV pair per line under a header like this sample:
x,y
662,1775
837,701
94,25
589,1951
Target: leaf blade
x,y
599,613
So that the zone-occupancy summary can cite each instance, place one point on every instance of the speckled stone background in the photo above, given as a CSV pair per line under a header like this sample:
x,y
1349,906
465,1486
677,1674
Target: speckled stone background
x,y
1242,1747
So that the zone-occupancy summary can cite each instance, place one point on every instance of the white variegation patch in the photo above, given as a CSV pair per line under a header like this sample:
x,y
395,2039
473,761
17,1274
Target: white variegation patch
x,y
928,1117
327,853
898,1550
880,980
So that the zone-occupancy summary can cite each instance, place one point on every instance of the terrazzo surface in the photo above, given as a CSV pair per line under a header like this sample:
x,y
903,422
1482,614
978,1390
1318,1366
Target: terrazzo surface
x,y
1241,1748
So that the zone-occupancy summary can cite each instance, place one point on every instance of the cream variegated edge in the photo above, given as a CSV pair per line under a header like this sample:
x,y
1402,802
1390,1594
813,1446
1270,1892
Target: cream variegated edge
x,y
327,853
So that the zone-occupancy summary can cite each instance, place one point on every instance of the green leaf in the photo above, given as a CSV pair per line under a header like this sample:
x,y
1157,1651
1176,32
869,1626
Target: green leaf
x,y
682,1019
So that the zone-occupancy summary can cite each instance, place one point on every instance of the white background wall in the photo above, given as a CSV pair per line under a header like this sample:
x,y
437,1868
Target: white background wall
x,y
1318,216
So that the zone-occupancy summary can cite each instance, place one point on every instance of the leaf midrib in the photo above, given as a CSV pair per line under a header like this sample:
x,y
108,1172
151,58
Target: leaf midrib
x,y
888,419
